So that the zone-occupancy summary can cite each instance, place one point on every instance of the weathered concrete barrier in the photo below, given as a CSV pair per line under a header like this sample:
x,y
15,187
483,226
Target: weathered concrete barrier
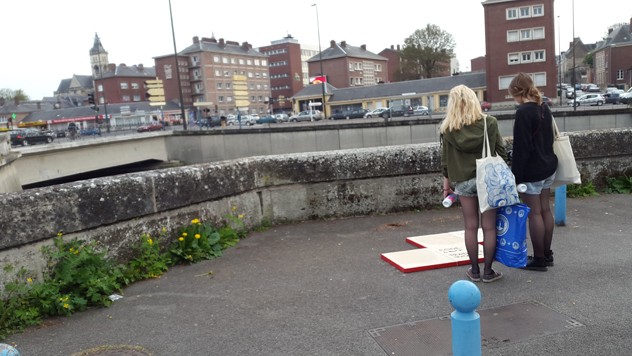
x,y
282,188
9,178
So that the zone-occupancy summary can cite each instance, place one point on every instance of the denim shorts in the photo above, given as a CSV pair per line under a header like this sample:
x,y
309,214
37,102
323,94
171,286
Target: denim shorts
x,y
535,188
467,188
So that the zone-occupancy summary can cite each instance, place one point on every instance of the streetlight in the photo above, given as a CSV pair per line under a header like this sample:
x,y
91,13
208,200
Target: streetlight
x,y
574,86
322,73
559,62
173,33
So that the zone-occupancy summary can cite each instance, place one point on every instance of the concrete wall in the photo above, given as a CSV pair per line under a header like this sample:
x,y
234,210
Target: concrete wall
x,y
283,188
9,179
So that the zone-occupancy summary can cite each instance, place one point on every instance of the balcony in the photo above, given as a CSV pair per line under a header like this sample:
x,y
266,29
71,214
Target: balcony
x,y
196,78
194,64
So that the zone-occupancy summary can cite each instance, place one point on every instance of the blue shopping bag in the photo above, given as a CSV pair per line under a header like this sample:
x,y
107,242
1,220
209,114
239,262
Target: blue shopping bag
x,y
511,235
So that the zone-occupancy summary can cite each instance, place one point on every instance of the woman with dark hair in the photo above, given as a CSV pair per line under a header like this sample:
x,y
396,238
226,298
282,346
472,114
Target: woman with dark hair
x,y
534,164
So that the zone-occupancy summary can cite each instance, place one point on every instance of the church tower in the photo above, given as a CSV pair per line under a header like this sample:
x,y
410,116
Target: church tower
x,y
98,57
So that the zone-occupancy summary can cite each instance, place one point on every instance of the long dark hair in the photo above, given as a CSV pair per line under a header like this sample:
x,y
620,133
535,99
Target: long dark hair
x,y
522,85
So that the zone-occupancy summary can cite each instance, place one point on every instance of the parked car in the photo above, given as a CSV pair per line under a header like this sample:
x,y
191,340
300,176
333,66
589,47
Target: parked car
x,y
612,98
267,119
92,132
587,99
254,117
420,110
375,112
349,114
398,110
626,97
145,128
27,137
593,88
282,118
211,121
612,89
570,94
485,106
546,100
307,116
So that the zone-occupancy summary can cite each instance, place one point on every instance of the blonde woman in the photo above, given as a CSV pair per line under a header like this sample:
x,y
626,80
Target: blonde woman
x,y
462,144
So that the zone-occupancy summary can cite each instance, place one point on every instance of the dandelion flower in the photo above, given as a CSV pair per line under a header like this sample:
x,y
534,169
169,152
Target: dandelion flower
x,y
184,234
71,249
66,299
191,257
241,216
60,299
197,236
30,280
76,252
234,208
181,238
195,221
66,306
59,234
150,241
211,272
163,229
199,223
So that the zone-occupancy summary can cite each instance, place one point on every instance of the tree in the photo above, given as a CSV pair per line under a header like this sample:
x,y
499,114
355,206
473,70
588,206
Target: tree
x,y
10,94
614,27
589,59
426,53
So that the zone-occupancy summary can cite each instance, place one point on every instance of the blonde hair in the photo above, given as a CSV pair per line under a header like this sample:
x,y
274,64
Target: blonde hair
x,y
464,109
522,85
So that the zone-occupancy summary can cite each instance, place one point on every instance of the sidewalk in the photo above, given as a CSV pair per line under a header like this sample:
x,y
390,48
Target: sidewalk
x,y
315,288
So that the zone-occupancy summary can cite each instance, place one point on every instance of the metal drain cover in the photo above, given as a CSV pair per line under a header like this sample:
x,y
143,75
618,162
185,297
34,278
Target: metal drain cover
x,y
499,326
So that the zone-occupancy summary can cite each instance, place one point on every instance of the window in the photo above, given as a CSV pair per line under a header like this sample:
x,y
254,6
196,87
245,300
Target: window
x,y
512,14
135,86
195,59
101,100
123,85
514,58
222,112
196,73
265,75
260,98
249,74
258,86
125,97
265,87
358,66
264,62
233,60
257,75
351,81
229,99
539,79
351,66
538,33
136,97
526,57
260,110
525,35
443,101
198,86
241,61
538,10
378,67
257,62
512,36
216,59
228,85
252,87
538,56
219,85
358,81
266,99
218,73
249,62
620,74
225,60
100,87
227,73
252,98
220,99
503,82
525,12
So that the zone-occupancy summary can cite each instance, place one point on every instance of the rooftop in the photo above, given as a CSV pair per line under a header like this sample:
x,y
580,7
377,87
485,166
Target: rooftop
x,y
342,49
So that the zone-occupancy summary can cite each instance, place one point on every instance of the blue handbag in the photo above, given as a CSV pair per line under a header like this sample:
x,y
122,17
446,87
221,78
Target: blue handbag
x,y
511,235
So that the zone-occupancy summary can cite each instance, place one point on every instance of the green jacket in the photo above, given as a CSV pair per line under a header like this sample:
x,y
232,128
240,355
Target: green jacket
x,y
461,148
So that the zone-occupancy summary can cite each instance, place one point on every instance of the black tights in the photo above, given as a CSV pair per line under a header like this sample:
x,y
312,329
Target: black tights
x,y
488,218
540,221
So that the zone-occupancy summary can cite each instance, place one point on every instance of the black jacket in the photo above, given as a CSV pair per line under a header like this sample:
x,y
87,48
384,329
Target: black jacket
x,y
533,157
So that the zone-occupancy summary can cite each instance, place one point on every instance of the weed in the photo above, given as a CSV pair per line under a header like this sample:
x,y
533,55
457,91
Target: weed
x,y
578,191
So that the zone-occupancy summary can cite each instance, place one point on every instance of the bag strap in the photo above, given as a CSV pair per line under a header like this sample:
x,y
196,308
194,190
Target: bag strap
x,y
541,118
486,142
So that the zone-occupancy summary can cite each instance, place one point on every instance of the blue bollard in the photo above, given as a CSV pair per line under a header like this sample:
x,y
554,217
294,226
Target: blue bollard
x,y
8,350
560,205
465,297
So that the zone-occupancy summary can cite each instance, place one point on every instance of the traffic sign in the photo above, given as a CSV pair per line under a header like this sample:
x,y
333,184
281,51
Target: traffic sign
x,y
242,103
13,116
156,92
237,78
203,103
240,93
157,81
240,87
161,103
154,86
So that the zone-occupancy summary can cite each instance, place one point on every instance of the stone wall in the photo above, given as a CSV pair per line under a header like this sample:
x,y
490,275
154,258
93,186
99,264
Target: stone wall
x,y
283,188
9,178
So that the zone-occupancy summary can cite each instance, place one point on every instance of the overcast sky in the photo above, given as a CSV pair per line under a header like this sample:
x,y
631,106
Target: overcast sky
x,y
45,41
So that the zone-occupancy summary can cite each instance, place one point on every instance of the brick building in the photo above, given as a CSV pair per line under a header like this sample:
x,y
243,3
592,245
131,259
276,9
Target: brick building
x,y
286,75
477,64
122,84
392,57
613,58
583,72
206,71
77,85
519,37
347,66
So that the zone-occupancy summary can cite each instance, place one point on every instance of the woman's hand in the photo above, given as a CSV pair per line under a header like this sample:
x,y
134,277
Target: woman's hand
x,y
446,188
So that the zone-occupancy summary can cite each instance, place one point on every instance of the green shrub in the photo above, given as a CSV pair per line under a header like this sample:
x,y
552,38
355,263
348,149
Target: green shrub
x,y
578,191
621,185
149,263
15,311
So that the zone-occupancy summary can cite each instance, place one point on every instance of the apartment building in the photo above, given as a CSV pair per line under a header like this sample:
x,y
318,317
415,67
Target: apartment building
x,y
207,68
613,58
519,37
286,80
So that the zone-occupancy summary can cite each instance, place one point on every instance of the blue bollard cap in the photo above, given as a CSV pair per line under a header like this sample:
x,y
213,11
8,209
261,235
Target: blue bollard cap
x,y
8,350
464,296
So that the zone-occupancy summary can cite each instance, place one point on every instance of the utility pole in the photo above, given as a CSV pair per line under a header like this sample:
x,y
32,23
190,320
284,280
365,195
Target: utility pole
x,y
574,88
322,73
559,62
175,51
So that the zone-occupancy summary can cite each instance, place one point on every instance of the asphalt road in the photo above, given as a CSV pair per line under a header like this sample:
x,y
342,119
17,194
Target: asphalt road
x,y
314,288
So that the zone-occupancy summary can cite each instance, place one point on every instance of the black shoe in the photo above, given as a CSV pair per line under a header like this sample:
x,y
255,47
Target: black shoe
x,y
536,264
548,256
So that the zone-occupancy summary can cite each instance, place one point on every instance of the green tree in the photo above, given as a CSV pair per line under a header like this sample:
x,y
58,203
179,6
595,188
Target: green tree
x,y
589,59
10,94
426,53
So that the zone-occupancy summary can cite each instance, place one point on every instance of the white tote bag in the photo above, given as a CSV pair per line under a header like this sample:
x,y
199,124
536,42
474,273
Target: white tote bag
x,y
495,183
567,172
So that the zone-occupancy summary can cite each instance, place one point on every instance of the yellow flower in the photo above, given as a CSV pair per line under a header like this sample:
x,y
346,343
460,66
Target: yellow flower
x,y
163,229
197,236
71,249
211,272
59,234
66,306
150,241
184,234
241,216
30,280
181,239
76,252
234,208
60,299
191,257
66,299
195,221
199,223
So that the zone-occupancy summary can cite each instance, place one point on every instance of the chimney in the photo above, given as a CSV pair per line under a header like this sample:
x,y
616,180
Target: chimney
x,y
609,31
570,45
398,47
211,40
141,67
122,65
196,39
232,43
343,44
221,42
332,44
245,45
111,67
16,101
363,47
392,47
1,102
